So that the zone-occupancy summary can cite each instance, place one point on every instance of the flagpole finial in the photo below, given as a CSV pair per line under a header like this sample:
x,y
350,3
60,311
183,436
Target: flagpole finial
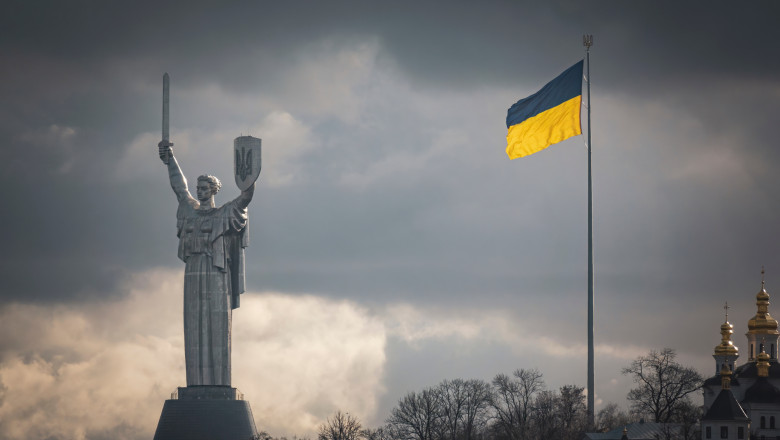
x,y
587,41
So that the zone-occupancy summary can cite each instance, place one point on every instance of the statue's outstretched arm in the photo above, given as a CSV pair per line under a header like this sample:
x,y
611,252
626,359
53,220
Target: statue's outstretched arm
x,y
178,181
246,196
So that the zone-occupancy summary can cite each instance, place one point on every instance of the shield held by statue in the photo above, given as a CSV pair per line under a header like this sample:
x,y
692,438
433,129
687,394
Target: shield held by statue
x,y
247,165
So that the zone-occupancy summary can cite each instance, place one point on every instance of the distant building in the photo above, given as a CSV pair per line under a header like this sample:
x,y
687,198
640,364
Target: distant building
x,y
744,402
639,431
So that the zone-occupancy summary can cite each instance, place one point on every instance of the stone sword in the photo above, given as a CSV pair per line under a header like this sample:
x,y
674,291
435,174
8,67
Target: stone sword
x,y
166,115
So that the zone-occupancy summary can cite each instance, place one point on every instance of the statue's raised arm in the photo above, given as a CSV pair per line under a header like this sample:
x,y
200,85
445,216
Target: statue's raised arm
x,y
178,181
242,201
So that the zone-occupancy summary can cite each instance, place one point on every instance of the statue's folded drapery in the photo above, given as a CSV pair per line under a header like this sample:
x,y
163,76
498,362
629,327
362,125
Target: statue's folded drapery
x,y
211,243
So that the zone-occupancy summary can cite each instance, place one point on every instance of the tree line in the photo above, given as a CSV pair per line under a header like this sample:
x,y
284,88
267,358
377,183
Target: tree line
x,y
521,407
512,407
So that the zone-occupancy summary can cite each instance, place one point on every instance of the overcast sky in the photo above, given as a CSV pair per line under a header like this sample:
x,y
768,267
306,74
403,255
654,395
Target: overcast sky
x,y
393,243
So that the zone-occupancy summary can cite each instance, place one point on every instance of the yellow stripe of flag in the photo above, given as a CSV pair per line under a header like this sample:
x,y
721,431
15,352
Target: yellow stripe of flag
x,y
547,128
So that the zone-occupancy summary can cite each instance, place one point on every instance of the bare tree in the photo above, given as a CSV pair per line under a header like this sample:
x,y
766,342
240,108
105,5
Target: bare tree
x,y
453,406
341,427
688,416
560,415
265,436
545,423
611,417
375,434
477,406
453,401
663,384
417,417
513,407
464,406
512,398
572,412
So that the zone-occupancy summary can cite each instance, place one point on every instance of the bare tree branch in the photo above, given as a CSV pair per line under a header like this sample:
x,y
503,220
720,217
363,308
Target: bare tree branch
x,y
663,384
341,426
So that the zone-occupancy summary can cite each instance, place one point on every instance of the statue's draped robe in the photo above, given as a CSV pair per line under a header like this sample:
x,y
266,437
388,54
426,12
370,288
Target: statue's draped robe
x,y
211,243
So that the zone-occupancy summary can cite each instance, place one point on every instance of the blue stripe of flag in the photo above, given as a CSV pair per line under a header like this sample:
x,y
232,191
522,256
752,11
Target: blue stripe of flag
x,y
564,87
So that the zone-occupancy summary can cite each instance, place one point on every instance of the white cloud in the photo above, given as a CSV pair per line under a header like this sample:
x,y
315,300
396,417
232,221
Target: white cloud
x,y
331,79
200,151
720,164
106,368
55,141
52,134
668,143
75,371
413,324
298,359
285,140
140,158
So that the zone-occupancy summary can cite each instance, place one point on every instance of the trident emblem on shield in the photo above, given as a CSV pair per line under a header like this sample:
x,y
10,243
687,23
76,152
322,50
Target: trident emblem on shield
x,y
243,163
248,160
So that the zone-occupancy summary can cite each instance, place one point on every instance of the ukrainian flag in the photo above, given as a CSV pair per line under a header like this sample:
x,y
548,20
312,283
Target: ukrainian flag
x,y
547,117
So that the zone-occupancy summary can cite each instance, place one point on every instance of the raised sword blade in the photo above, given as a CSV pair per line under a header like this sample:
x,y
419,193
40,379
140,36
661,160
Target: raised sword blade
x,y
166,112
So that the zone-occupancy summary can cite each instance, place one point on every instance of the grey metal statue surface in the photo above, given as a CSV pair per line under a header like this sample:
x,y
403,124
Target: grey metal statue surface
x,y
211,244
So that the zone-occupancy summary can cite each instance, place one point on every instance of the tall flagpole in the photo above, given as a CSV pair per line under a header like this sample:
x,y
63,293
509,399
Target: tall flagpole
x,y
587,41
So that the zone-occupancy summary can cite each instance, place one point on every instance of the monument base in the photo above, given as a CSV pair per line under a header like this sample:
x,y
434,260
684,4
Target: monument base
x,y
208,413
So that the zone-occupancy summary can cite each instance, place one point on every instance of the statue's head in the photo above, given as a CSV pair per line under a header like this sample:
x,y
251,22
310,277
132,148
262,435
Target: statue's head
x,y
207,186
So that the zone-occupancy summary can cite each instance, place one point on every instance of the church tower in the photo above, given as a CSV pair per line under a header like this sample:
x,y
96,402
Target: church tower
x,y
744,402
762,332
725,418
726,353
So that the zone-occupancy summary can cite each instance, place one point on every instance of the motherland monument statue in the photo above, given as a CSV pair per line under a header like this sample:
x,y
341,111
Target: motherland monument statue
x,y
211,245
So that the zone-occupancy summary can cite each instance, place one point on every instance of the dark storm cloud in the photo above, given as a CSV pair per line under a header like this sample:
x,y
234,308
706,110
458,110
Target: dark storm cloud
x,y
497,39
639,46
79,80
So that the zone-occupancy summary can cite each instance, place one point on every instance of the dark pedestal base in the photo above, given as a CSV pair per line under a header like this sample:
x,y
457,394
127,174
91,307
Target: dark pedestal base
x,y
207,413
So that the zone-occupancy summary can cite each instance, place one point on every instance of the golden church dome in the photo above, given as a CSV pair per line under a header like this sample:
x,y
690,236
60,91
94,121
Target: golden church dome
x,y
726,347
763,322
